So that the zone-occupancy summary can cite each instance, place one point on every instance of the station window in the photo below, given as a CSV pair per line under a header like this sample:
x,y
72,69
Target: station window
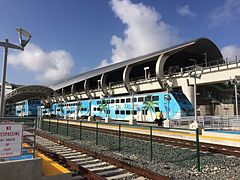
x,y
122,112
117,100
140,99
122,100
127,112
155,98
112,101
117,112
128,100
148,98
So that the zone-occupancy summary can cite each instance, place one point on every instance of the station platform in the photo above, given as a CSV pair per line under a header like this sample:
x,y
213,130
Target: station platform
x,y
39,168
181,132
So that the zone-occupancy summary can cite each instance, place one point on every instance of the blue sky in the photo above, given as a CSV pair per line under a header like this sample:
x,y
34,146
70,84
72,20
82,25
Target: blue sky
x,y
70,37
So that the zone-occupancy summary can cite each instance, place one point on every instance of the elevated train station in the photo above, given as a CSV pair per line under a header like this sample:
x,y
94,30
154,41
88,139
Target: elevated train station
x,y
158,72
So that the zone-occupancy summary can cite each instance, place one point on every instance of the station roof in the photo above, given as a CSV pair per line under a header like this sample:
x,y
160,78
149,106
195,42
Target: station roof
x,y
28,92
200,45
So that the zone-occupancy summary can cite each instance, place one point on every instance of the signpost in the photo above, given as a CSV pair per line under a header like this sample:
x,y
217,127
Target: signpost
x,y
10,140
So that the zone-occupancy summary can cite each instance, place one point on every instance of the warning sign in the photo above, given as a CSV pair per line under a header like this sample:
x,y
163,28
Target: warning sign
x,y
10,140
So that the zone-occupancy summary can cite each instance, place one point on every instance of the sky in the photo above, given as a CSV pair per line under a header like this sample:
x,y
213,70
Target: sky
x,y
75,36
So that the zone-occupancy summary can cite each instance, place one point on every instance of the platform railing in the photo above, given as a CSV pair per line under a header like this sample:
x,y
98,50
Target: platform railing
x,y
93,132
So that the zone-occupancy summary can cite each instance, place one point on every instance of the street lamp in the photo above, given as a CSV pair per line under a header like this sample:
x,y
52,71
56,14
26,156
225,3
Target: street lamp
x,y
145,72
236,81
196,73
24,38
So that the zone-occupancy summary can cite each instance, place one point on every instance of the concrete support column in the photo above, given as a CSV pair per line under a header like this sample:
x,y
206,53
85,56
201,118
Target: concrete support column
x,y
103,84
188,90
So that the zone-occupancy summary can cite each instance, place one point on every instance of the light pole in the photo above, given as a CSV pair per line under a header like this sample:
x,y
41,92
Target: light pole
x,y
195,75
24,38
108,102
145,72
236,81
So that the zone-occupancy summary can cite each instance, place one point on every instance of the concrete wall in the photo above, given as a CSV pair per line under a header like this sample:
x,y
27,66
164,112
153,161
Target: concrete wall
x,y
21,170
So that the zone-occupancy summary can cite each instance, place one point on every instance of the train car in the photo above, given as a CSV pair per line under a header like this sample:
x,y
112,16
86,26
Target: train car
x,y
120,108
27,107
145,106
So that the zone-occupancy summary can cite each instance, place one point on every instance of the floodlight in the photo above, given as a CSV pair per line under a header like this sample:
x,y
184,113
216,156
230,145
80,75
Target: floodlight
x,y
24,37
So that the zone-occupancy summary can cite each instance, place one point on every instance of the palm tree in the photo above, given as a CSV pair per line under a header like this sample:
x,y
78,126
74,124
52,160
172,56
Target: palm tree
x,y
150,106
103,107
79,107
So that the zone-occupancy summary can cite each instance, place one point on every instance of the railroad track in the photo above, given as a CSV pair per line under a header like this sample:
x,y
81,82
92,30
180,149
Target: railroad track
x,y
204,147
86,164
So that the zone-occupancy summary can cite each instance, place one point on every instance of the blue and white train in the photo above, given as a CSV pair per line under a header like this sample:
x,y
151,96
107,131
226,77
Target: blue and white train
x,y
120,108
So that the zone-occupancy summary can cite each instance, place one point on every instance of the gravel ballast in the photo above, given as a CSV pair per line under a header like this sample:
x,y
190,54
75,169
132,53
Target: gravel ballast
x,y
174,162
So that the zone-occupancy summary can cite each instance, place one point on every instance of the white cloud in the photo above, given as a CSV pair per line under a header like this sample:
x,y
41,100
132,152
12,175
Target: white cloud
x,y
47,67
145,31
226,13
185,11
230,52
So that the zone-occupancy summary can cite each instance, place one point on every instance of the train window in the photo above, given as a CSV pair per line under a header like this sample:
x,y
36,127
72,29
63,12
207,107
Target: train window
x,y
156,109
127,112
148,98
94,109
128,100
108,111
135,112
155,98
98,109
68,111
122,112
43,111
99,102
112,101
140,99
58,110
117,112
107,101
122,100
135,99
144,112
117,100
103,101
20,112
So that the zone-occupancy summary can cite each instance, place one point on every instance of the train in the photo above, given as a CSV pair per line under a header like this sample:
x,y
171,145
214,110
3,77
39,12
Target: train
x,y
28,107
143,107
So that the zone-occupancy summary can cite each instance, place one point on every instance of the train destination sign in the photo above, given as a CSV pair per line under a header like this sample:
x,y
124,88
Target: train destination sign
x,y
10,140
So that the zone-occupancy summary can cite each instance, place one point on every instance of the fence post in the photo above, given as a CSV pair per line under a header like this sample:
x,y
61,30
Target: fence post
x,y
119,137
96,133
151,149
80,131
49,124
198,150
42,123
57,125
67,126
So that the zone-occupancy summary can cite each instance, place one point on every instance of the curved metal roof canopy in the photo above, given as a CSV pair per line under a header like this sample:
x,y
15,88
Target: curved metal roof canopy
x,y
197,46
28,92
